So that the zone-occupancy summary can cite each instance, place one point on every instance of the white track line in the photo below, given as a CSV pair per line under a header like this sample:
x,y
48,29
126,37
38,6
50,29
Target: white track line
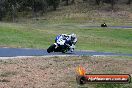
x,y
21,57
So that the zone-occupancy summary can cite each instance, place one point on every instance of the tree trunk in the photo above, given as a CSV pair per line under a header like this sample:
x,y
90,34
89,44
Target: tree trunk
x,y
73,1
112,4
13,12
67,2
54,5
33,9
129,1
98,2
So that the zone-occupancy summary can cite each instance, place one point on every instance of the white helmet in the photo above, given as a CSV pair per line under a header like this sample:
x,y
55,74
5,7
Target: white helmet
x,y
73,36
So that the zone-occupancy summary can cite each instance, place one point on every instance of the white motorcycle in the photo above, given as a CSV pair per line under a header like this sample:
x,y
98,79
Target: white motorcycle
x,y
61,45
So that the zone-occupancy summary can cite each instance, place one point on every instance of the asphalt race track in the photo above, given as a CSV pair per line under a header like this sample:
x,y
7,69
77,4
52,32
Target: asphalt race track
x,y
115,27
13,52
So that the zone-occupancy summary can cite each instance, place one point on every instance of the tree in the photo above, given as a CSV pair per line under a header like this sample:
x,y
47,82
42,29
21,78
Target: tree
x,y
11,8
39,6
53,3
112,4
97,2
129,1
2,9
73,1
67,2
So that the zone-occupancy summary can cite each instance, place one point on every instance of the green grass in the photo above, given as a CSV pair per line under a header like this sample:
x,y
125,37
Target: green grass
x,y
42,34
113,86
15,37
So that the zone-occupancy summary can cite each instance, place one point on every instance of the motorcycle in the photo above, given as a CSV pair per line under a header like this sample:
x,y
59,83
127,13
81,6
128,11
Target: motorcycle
x,y
60,45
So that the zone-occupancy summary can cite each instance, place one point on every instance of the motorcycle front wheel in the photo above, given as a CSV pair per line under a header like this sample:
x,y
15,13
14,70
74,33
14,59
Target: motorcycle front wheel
x,y
51,48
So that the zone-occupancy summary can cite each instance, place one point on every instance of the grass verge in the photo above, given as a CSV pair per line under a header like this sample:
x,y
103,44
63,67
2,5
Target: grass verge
x,y
60,72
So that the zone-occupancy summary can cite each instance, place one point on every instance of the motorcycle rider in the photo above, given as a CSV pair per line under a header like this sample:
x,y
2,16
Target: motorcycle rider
x,y
73,39
70,40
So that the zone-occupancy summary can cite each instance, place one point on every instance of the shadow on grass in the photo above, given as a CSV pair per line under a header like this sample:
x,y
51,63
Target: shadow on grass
x,y
7,74
4,80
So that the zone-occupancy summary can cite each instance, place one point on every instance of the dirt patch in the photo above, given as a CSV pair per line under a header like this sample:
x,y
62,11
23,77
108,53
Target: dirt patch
x,y
56,72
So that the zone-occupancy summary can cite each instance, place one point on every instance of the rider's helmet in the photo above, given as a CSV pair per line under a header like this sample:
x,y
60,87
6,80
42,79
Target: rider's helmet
x,y
73,36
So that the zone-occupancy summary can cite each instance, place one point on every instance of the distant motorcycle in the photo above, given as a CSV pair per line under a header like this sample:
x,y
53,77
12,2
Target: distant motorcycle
x,y
61,45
